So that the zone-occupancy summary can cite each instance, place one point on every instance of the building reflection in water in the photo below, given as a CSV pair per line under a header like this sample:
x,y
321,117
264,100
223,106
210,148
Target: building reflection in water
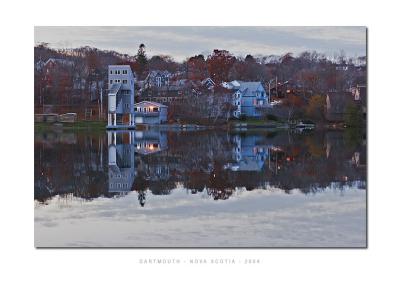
x,y
154,162
122,146
249,153
121,161
149,142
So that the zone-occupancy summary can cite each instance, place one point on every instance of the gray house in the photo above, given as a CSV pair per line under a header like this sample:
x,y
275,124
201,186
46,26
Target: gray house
x,y
151,113
120,97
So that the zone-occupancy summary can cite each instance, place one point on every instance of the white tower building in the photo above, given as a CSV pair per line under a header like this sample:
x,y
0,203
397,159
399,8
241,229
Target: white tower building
x,y
120,97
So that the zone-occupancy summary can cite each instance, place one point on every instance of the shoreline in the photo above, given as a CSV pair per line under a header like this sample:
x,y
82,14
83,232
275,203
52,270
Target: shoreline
x,y
232,126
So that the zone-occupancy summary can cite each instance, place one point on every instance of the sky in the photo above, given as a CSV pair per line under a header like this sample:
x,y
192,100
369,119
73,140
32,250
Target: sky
x,y
182,42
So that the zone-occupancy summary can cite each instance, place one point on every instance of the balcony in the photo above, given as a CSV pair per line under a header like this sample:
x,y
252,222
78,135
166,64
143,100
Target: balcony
x,y
147,114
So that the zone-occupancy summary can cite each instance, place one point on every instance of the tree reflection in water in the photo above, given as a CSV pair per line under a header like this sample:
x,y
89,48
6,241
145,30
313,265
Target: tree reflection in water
x,y
91,165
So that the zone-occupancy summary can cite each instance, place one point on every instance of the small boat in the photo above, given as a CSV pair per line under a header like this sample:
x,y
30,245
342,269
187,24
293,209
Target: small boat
x,y
302,125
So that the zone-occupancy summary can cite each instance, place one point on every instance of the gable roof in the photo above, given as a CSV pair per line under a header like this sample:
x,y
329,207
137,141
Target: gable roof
x,y
151,103
248,88
60,61
208,80
154,73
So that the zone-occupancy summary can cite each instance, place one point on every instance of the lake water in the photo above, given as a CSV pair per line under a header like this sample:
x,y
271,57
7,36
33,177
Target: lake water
x,y
200,189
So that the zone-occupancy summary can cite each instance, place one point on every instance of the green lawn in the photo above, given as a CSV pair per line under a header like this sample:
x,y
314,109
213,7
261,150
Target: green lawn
x,y
80,125
258,122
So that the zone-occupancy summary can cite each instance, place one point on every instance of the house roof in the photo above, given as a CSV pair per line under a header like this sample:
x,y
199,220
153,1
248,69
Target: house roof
x,y
154,73
114,88
59,60
151,103
120,65
248,88
249,164
231,85
208,79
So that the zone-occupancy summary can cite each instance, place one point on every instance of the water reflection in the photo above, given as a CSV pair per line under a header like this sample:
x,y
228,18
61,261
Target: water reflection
x,y
121,162
91,165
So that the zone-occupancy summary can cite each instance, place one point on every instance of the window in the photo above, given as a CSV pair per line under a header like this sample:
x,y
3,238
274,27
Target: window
x,y
155,109
125,81
135,109
127,105
111,81
111,72
118,72
124,71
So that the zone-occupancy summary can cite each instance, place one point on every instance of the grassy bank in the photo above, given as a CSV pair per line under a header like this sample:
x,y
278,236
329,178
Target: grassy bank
x,y
257,123
77,126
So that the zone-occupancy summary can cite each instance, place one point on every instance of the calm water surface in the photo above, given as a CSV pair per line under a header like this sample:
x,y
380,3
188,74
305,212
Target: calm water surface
x,y
200,189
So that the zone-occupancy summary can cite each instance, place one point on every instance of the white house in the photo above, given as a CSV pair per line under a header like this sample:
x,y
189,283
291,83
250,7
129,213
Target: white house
x,y
120,97
152,113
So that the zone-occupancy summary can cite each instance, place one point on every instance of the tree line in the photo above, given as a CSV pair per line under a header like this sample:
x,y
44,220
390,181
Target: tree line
x,y
80,82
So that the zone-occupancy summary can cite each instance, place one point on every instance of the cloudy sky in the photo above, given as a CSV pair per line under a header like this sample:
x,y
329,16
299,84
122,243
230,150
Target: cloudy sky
x,y
182,42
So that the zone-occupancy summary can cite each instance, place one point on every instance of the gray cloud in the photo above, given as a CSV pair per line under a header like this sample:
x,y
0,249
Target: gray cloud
x,y
182,42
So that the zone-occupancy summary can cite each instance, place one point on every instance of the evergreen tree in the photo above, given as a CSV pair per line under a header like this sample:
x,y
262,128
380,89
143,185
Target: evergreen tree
x,y
141,60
